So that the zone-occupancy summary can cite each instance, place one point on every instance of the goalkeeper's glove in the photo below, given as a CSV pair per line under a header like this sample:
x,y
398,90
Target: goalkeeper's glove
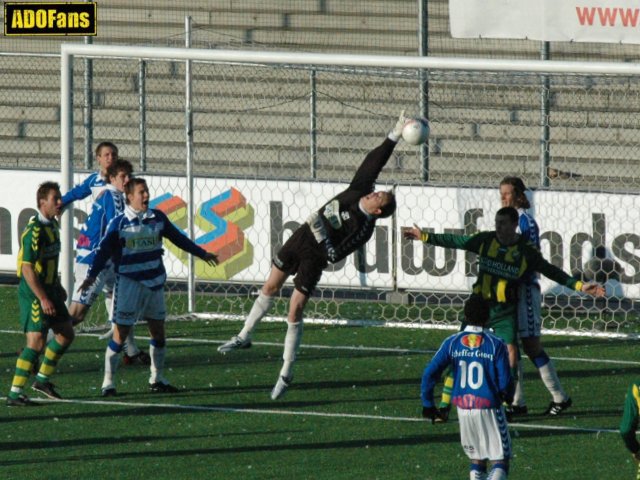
x,y
396,134
317,227
332,255
433,414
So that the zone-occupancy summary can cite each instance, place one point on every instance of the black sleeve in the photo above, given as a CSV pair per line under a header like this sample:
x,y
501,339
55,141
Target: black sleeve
x,y
365,177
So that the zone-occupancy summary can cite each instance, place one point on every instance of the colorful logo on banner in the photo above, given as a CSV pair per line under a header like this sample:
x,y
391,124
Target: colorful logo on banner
x,y
224,219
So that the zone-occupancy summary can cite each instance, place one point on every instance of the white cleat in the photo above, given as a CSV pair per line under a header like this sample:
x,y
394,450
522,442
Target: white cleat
x,y
236,343
281,387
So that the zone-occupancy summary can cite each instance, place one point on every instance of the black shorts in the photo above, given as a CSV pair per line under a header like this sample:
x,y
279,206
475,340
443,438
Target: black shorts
x,y
303,257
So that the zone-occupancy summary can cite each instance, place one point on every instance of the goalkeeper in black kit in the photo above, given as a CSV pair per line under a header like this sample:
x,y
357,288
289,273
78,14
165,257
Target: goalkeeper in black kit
x,y
338,228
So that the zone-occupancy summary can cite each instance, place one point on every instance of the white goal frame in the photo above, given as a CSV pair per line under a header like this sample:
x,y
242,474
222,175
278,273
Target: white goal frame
x,y
70,51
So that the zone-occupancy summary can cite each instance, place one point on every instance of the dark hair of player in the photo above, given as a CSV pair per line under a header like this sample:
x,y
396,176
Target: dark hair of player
x,y
509,212
476,311
43,191
519,191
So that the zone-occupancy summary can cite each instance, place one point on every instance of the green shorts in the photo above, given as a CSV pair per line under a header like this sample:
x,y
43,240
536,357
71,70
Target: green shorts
x,y
503,321
32,318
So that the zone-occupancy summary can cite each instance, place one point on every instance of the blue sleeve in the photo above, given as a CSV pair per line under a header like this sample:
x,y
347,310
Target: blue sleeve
x,y
433,371
109,211
78,192
106,249
179,239
529,229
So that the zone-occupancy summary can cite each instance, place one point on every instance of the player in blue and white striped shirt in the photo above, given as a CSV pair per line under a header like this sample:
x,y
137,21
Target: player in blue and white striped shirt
x,y
108,204
133,242
513,194
479,365
95,185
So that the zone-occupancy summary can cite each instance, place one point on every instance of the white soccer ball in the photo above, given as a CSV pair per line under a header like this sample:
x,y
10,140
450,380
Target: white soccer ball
x,y
416,131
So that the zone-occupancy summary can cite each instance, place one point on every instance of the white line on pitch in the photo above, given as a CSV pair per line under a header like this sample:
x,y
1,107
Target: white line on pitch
x,y
381,349
354,348
354,416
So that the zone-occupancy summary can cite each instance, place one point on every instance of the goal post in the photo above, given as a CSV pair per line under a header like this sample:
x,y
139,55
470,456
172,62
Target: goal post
x,y
278,133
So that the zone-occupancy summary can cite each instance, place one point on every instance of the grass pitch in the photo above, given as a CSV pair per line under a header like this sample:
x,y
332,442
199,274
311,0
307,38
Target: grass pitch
x,y
352,412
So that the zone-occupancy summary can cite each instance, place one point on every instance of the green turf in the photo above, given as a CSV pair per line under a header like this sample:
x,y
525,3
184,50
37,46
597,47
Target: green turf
x,y
229,428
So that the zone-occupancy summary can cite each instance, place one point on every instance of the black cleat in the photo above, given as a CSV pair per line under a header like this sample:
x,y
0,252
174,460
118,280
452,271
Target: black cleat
x,y
47,389
517,410
20,401
109,392
140,358
556,408
160,387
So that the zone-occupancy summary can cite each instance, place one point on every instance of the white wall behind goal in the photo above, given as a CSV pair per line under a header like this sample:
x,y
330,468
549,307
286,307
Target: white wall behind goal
x,y
572,224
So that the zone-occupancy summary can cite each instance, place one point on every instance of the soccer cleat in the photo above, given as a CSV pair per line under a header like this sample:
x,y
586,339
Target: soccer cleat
x,y
47,389
140,358
519,410
281,387
236,343
508,412
109,392
159,387
556,408
20,401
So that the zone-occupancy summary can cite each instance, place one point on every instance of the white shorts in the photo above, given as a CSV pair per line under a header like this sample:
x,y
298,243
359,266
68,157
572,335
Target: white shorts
x,y
484,433
529,311
132,301
104,283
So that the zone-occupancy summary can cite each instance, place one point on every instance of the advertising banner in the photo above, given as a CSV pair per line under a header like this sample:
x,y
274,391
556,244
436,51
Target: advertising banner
x,y
246,221
547,20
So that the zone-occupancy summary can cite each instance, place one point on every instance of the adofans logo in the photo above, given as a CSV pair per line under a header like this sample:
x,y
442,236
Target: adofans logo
x,y
73,18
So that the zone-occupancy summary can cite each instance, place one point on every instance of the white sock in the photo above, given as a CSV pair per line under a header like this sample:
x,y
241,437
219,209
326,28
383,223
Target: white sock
x,y
108,303
111,361
518,396
291,344
157,363
260,307
130,344
550,379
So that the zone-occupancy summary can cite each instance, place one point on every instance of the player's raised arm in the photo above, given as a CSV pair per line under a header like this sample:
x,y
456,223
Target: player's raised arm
x,y
365,177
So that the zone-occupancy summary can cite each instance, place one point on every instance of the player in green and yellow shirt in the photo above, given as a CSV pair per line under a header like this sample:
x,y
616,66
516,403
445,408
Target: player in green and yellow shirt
x,y
41,298
504,258
629,424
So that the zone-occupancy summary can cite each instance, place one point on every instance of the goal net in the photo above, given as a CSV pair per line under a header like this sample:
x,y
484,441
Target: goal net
x,y
239,147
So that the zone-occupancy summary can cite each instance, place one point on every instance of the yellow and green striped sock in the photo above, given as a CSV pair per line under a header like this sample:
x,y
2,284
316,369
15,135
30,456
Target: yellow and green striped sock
x,y
51,357
445,400
25,362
